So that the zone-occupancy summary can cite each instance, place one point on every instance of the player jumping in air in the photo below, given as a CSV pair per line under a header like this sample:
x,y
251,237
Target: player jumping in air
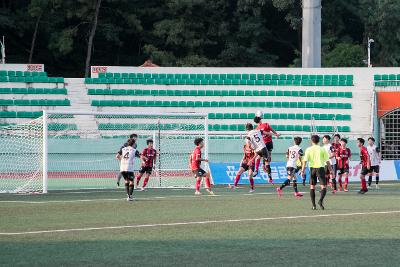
x,y
365,163
126,156
247,164
317,158
294,156
195,165
375,157
149,156
267,132
256,141
343,155
332,155
134,137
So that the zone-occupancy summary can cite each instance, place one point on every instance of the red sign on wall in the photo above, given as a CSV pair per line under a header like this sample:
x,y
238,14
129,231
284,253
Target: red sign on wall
x,y
35,67
99,69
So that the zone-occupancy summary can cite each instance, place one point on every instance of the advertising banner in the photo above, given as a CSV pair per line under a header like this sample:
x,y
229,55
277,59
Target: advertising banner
x,y
225,173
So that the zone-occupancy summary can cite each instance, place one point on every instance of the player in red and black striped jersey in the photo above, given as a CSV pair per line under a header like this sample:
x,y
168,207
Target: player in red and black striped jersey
x,y
267,133
195,160
247,164
365,163
343,155
149,157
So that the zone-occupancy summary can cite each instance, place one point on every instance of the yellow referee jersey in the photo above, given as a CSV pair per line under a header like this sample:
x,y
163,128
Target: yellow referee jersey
x,y
316,156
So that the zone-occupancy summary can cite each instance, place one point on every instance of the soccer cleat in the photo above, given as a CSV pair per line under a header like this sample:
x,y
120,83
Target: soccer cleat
x,y
142,189
255,173
314,208
340,188
251,191
271,181
346,190
279,191
334,191
210,191
118,184
362,191
321,205
377,187
197,193
232,186
298,194
369,186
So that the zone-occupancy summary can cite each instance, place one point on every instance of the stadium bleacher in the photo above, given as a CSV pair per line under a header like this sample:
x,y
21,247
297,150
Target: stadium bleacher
x,y
387,80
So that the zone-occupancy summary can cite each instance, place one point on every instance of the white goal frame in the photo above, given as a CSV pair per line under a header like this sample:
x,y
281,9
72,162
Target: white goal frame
x,y
47,113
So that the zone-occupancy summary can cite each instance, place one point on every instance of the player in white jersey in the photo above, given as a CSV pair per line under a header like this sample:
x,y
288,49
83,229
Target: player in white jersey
x,y
126,156
332,159
375,158
293,155
256,141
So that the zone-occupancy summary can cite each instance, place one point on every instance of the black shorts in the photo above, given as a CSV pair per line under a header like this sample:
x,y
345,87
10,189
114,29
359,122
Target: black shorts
x,y
199,172
148,170
364,171
127,175
343,170
247,167
317,173
292,171
270,146
263,153
333,169
374,169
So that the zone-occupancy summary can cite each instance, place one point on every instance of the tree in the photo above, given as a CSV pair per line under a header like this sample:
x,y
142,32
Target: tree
x,y
345,55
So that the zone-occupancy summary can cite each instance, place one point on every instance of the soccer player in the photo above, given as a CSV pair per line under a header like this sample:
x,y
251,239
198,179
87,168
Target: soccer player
x,y
195,165
247,164
149,157
317,158
267,132
293,156
256,141
332,155
126,156
134,137
365,163
343,155
375,157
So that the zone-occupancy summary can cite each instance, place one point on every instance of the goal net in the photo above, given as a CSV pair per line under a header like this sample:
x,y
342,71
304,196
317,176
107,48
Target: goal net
x,y
72,150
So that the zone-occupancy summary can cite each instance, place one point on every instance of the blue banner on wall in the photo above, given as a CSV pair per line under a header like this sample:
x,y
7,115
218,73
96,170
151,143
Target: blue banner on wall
x,y
225,173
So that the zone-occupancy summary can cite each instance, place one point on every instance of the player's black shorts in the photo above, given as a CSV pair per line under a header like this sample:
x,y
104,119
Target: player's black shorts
x,y
127,175
343,170
364,171
292,171
270,146
333,169
146,170
317,173
247,167
263,153
199,172
374,169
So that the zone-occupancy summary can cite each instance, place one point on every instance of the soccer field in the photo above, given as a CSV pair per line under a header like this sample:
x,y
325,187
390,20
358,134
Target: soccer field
x,y
175,228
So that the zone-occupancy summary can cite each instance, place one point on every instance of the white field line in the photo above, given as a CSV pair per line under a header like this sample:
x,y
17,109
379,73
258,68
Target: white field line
x,y
199,222
120,199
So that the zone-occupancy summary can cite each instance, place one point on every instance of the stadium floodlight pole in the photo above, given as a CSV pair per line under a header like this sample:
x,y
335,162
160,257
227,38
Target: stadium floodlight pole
x,y
369,52
3,51
45,152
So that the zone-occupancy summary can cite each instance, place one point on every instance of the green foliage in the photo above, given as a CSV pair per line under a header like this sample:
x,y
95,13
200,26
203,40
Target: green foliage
x,y
345,55
194,33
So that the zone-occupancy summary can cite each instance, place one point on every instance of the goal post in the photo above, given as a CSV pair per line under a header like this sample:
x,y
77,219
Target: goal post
x,y
77,149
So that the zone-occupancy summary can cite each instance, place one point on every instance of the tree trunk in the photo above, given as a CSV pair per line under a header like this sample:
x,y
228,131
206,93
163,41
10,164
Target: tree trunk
x,y
34,38
91,36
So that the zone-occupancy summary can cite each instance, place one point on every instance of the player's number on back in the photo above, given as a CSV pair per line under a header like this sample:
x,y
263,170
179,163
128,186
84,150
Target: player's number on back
x,y
257,138
293,154
126,156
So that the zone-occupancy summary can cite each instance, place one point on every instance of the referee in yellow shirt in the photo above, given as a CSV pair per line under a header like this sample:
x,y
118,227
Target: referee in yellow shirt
x,y
317,159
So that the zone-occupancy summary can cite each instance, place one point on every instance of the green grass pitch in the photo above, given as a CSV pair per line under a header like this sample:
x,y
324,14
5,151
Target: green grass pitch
x,y
176,228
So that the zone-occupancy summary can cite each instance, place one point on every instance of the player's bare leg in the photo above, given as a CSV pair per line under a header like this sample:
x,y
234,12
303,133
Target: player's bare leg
x,y
131,186
251,180
267,164
257,165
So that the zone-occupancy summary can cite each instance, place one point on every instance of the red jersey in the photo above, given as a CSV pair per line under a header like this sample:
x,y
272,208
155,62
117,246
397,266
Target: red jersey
x,y
344,155
364,156
248,154
195,159
150,154
265,128
335,146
